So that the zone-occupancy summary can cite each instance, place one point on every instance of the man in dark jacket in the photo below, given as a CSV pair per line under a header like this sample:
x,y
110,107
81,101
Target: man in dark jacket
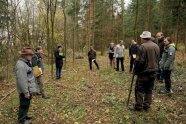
x,y
59,56
92,58
132,53
145,68
37,61
160,42
25,82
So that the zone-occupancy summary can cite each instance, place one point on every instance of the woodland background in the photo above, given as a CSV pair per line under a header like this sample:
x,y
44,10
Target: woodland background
x,y
77,24
83,96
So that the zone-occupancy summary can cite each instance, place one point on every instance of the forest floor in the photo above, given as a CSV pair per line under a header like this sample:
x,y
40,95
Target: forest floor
x,y
97,97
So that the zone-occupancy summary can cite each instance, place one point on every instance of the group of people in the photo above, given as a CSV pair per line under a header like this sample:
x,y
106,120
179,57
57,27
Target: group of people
x,y
152,58
116,55
29,70
148,57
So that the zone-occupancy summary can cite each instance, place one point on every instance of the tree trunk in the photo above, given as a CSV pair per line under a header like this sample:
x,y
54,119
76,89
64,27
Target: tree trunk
x,y
123,25
162,4
147,18
53,6
48,30
185,41
135,24
65,30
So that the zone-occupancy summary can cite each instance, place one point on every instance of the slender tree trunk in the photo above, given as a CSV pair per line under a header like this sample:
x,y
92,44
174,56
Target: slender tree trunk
x,y
113,21
177,23
93,22
147,18
123,25
65,30
135,24
74,31
185,41
48,29
162,2
53,5
8,44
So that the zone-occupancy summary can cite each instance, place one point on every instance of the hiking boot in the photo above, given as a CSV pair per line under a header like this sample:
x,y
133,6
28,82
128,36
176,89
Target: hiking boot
x,y
28,118
38,94
135,108
164,91
147,109
160,81
45,97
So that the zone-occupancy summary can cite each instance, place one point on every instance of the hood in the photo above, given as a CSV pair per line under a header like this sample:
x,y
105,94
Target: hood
x,y
172,44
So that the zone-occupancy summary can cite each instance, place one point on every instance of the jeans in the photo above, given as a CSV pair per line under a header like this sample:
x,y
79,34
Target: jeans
x,y
58,72
122,64
160,75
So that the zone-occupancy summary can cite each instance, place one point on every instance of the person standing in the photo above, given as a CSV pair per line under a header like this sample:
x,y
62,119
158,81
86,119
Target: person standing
x,y
25,82
92,57
167,64
160,42
120,48
59,56
132,53
37,61
146,66
111,54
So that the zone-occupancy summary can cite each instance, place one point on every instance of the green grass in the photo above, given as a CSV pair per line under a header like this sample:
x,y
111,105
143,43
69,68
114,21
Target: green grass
x,y
97,97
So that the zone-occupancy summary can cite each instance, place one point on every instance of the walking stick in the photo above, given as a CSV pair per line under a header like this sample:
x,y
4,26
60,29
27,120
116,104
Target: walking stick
x,y
130,89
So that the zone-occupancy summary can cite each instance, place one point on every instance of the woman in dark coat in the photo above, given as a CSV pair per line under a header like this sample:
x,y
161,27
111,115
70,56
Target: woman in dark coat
x,y
111,54
92,58
59,55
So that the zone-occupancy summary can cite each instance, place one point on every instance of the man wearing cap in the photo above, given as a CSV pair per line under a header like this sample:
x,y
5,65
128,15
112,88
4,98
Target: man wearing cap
x,y
145,68
37,61
25,82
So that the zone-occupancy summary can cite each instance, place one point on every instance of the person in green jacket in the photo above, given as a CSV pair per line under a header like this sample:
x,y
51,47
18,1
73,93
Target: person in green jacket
x,y
167,63
37,60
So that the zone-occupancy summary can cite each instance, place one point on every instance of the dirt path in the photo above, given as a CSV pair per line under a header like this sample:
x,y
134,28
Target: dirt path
x,y
96,97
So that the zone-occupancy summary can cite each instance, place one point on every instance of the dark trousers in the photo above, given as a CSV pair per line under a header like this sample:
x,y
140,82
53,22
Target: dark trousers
x,y
143,90
111,61
58,71
131,63
24,105
120,60
90,63
167,76
160,75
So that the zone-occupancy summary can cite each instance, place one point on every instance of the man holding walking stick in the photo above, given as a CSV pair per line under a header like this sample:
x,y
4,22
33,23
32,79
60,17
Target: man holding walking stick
x,y
146,66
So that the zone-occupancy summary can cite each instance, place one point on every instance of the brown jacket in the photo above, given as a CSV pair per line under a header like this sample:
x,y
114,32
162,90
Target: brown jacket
x,y
147,58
